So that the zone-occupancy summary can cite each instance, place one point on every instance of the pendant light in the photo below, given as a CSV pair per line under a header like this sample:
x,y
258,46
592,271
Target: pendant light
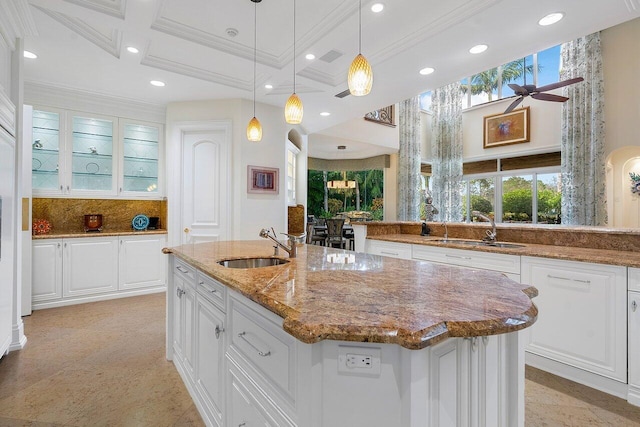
x,y
293,110
360,78
254,129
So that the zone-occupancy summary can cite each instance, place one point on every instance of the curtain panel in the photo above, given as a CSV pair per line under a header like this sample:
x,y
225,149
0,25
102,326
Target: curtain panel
x,y
446,147
582,145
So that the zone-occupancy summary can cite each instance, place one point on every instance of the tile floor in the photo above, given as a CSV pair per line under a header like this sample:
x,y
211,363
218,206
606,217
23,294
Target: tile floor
x,y
103,364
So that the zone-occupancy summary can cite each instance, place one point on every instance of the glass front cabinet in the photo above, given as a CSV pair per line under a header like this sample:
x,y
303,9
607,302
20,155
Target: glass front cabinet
x,y
82,155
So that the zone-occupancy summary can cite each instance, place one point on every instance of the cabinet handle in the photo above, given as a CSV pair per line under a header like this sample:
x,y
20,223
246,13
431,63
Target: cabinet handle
x,y
182,270
121,189
457,256
218,331
242,424
65,245
58,245
179,292
67,188
634,305
485,340
586,281
389,253
260,353
474,343
61,188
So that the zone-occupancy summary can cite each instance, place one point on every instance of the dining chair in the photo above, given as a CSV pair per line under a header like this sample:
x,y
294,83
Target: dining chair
x,y
318,236
334,233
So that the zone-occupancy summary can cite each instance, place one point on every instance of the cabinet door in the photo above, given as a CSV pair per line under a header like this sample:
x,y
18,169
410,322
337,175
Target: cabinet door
x,y
634,348
47,160
582,314
141,162
90,266
210,357
142,263
46,276
92,153
391,249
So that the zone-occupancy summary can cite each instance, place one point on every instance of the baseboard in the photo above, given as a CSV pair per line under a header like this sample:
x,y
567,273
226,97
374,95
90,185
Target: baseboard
x,y
604,384
94,298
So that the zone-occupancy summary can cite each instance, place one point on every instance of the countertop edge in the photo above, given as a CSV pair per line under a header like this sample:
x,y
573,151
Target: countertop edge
x,y
80,235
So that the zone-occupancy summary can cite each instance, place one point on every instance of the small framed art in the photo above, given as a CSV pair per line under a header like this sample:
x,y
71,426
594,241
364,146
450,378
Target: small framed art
x,y
262,180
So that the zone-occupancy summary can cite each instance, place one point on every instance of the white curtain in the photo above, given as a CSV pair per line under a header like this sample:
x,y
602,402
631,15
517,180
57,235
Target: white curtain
x,y
409,184
446,148
582,147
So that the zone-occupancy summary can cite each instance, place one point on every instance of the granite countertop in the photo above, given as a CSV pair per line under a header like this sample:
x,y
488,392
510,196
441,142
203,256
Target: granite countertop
x,y
328,293
79,234
572,253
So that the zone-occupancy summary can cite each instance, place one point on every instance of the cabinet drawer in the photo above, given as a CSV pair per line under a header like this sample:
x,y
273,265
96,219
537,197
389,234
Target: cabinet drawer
x,y
391,249
634,279
504,263
212,290
267,349
249,407
184,270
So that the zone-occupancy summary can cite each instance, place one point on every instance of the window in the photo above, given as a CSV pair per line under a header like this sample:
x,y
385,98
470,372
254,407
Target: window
x,y
513,197
292,158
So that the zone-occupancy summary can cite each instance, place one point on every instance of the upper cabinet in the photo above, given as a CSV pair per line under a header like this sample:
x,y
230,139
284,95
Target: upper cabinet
x,y
87,155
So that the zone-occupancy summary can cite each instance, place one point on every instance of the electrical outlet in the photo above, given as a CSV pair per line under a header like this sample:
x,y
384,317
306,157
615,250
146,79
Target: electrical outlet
x,y
358,361
361,361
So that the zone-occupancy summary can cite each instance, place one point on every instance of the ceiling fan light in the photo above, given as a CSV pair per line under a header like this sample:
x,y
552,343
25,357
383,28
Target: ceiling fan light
x,y
254,130
293,110
360,77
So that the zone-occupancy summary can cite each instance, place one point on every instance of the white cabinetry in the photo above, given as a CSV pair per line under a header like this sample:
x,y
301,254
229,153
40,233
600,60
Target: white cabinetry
x,y
90,266
47,270
391,249
634,336
76,270
582,319
141,262
87,155
504,263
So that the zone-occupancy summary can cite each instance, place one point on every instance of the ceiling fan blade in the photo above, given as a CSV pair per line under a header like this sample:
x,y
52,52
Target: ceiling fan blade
x,y
549,97
559,84
513,105
518,90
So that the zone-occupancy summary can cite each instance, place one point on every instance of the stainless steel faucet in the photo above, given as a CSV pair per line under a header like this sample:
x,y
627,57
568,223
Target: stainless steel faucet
x,y
292,249
491,234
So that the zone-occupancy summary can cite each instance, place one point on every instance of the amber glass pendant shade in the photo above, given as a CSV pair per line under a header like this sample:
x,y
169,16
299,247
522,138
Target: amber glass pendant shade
x,y
360,77
293,110
254,130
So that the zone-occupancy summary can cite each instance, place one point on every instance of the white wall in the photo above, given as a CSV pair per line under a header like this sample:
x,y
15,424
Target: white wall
x,y
621,67
250,212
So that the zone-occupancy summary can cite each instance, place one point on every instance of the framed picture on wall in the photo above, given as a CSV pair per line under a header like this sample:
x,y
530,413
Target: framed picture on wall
x,y
262,180
507,128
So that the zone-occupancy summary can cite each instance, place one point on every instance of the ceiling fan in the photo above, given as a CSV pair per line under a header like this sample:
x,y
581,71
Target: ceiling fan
x,y
536,92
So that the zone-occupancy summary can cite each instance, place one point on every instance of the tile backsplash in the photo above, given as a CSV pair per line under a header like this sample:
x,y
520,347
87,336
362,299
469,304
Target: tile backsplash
x,y
67,215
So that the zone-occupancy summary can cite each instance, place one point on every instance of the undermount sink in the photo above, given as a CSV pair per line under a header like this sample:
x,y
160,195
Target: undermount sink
x,y
480,243
252,262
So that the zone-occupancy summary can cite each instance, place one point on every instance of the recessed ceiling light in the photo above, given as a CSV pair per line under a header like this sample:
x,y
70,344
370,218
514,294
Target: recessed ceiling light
x,y
551,18
310,56
268,86
377,7
426,71
157,83
479,48
325,114
132,49
29,55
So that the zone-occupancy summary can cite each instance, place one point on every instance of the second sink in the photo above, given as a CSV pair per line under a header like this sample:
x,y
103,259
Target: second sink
x,y
252,262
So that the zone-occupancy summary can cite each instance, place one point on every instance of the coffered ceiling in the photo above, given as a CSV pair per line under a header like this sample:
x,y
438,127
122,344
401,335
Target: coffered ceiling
x,y
203,49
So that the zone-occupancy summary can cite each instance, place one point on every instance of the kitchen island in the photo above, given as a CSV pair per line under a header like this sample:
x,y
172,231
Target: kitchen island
x,y
337,338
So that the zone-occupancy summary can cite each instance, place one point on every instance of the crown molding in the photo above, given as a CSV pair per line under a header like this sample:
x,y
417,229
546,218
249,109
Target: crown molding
x,y
110,44
114,8
94,102
198,73
16,21
321,77
287,89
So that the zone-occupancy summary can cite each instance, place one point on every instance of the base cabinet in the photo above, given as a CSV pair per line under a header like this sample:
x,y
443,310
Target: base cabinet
x,y
633,301
582,319
76,270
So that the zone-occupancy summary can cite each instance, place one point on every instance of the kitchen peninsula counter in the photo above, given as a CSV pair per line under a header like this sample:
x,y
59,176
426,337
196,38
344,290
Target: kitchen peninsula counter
x,y
327,293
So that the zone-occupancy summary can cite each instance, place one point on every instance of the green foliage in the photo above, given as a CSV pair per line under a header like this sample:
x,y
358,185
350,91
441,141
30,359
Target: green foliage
x,y
517,202
480,204
335,206
487,81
